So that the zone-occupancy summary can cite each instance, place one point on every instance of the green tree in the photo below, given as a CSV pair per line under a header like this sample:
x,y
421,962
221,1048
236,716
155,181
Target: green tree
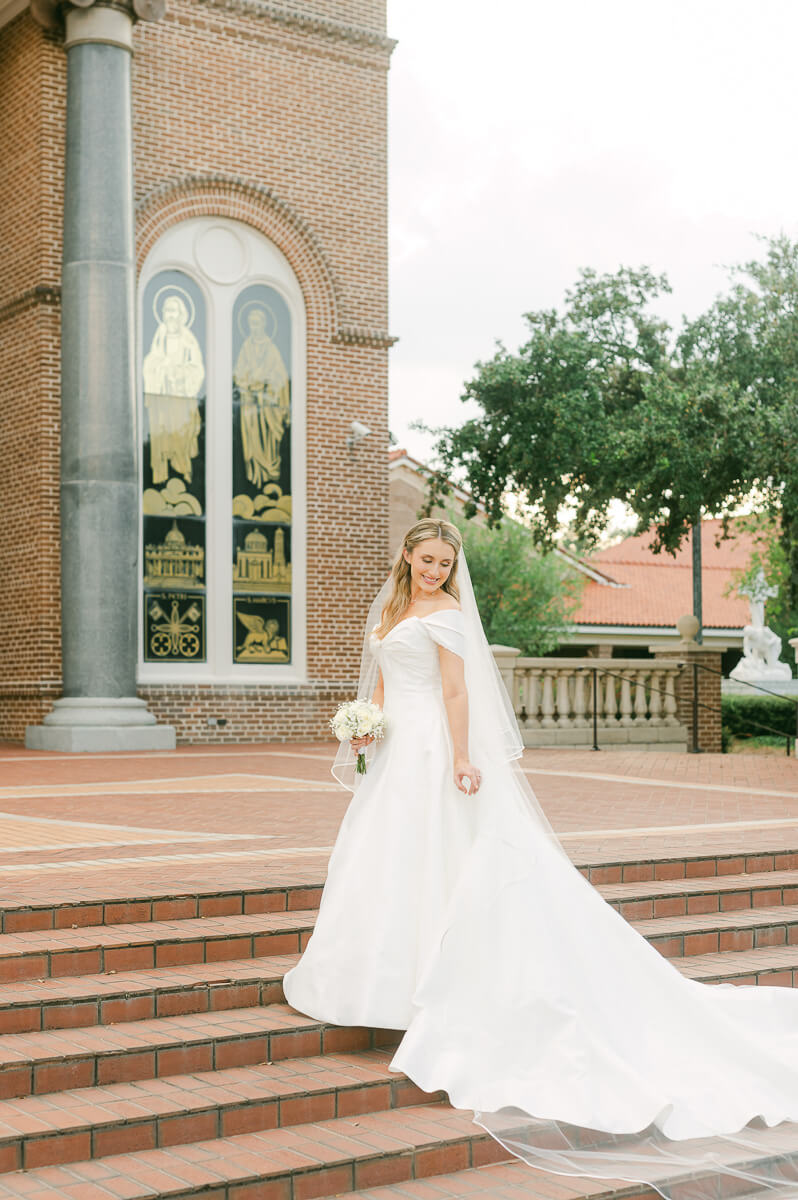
x,y
603,403
524,596
748,341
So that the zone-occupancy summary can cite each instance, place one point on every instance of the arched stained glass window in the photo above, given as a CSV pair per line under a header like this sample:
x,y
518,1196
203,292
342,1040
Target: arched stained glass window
x,y
222,379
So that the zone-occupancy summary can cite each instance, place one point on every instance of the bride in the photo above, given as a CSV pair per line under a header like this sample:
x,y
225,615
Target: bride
x,y
452,912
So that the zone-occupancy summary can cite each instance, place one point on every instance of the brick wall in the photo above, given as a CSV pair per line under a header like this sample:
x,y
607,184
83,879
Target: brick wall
x,y
709,695
249,714
275,115
31,104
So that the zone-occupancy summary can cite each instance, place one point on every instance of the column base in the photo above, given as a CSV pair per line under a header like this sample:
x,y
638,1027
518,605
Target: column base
x,y
94,724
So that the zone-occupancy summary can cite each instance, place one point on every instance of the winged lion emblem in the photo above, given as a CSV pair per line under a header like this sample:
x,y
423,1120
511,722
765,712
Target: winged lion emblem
x,y
261,635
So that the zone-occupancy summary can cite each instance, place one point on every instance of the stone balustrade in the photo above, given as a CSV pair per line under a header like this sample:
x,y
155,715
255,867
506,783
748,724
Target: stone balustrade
x,y
635,700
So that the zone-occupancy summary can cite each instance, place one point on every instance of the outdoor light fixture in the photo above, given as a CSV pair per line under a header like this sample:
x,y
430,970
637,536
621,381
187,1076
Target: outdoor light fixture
x,y
357,432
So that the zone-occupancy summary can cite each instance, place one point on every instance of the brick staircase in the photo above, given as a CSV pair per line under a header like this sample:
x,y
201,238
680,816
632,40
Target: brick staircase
x,y
147,1050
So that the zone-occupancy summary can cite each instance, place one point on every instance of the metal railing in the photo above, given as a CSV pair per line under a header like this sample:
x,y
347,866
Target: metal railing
x,y
789,738
668,695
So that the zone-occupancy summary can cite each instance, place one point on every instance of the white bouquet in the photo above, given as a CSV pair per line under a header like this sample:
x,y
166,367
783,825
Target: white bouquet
x,y
358,718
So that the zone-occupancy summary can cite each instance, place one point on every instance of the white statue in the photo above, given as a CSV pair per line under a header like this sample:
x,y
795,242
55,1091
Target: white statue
x,y
761,646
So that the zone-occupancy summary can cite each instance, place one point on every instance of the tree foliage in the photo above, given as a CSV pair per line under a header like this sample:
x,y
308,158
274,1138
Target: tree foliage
x,y
748,340
605,401
524,597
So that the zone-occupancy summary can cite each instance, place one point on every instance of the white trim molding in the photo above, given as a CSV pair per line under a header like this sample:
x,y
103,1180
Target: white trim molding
x,y
644,635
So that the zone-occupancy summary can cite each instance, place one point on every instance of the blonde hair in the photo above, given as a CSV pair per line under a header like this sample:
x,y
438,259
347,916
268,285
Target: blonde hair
x,y
399,599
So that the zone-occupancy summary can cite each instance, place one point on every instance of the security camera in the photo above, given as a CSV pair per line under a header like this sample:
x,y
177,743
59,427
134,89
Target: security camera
x,y
358,432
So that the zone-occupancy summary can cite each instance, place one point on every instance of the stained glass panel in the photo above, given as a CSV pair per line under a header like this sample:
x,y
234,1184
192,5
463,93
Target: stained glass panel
x,y
173,469
261,477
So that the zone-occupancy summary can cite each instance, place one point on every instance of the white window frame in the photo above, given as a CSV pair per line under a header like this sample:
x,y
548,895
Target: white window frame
x,y
265,264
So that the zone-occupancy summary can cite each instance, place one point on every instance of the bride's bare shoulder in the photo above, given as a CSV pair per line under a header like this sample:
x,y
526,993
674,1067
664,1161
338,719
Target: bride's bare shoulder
x,y
451,605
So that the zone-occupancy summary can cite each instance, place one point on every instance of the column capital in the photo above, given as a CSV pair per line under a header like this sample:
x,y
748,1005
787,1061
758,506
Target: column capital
x,y
95,18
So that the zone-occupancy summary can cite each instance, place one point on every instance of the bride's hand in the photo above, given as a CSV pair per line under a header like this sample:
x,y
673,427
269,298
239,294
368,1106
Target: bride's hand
x,y
360,743
464,771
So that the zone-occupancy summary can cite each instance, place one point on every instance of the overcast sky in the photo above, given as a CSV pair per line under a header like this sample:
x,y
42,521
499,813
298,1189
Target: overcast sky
x,y
529,139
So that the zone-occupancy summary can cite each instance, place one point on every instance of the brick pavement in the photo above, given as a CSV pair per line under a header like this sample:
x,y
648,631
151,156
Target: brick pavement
x,y
287,792
78,824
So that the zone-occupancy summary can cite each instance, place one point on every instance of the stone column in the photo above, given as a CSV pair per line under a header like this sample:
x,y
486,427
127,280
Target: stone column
x,y
99,472
689,651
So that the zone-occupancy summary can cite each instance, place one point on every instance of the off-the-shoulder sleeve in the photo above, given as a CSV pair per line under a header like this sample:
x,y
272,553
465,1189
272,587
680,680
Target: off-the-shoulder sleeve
x,y
447,629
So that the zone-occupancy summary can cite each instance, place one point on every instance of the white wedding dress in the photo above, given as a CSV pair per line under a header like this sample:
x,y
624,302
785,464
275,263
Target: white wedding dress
x,y
523,994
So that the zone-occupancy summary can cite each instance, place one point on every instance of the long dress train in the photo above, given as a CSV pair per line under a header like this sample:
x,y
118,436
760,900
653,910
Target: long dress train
x,y
523,994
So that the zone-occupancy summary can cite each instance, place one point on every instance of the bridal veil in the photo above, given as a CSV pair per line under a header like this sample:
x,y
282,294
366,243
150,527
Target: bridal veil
x,y
577,1046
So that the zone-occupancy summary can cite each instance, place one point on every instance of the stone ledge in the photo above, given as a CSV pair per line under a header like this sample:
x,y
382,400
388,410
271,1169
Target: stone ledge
x,y
76,739
282,15
351,335
627,737
45,293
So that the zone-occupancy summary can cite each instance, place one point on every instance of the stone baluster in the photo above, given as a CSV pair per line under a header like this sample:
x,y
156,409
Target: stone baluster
x,y
563,699
656,697
504,657
580,701
626,699
641,704
520,694
533,696
610,701
547,703
670,699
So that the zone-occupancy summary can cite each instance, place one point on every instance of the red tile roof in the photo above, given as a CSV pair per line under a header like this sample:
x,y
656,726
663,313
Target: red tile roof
x,y
657,589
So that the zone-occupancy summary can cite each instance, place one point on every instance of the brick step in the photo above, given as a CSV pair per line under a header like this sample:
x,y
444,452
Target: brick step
x,y
685,866
513,1180
770,965
57,1060
129,904
714,933
324,1158
89,903
75,1001
718,893
46,953
371,1156
65,1127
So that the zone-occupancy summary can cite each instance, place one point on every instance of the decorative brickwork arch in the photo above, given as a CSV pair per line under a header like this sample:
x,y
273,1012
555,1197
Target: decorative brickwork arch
x,y
217,195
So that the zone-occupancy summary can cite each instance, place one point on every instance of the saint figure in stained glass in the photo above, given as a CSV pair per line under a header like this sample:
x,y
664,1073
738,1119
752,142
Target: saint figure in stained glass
x,y
264,389
173,373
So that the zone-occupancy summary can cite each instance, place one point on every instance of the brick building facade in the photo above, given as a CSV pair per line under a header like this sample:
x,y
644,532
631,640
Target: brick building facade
x,y
267,122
